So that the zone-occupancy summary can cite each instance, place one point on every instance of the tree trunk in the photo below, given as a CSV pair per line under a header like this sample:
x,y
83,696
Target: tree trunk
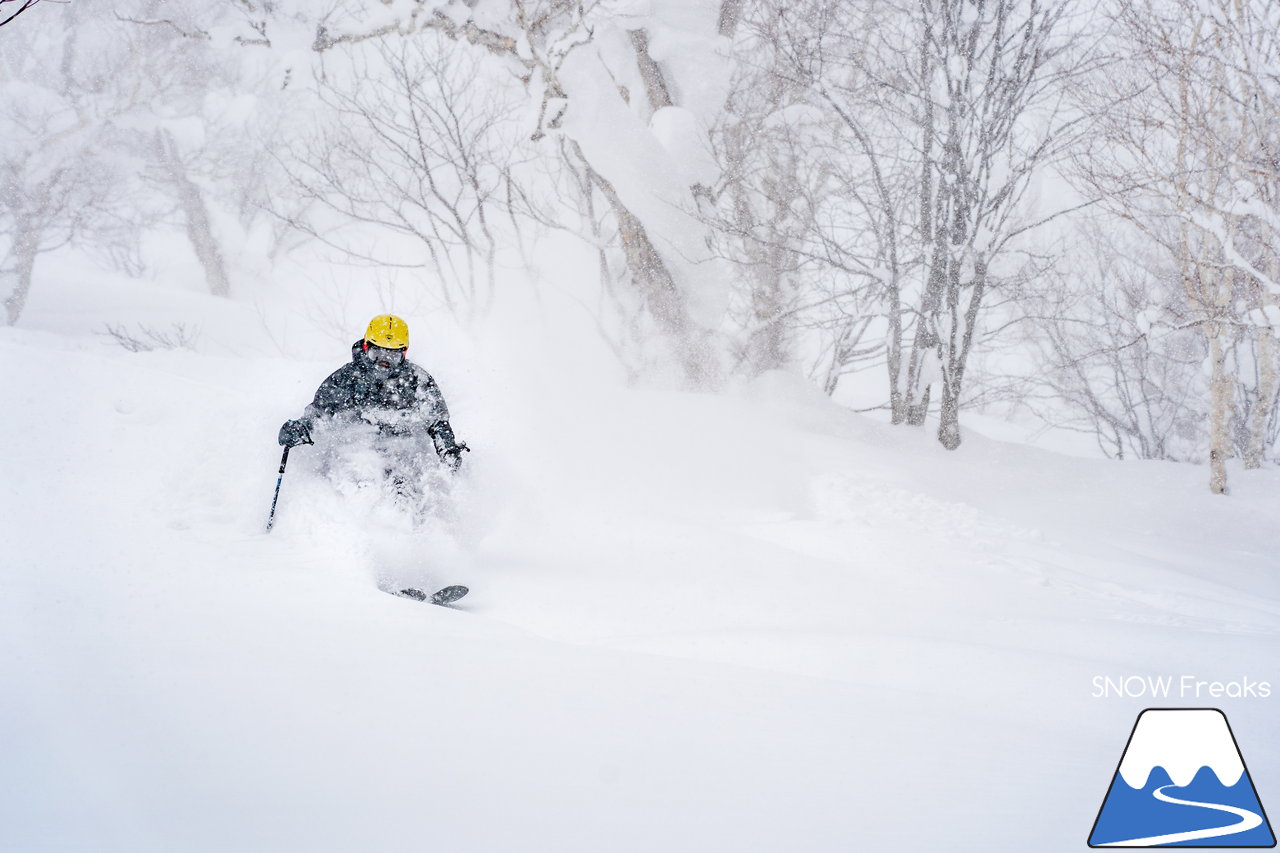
x,y
1268,375
1265,353
1200,289
25,246
770,346
1220,388
1221,384
730,15
904,407
196,214
926,343
949,417
656,285
655,84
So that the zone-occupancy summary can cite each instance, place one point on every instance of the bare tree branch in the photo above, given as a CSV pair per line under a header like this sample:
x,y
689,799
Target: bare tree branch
x,y
23,5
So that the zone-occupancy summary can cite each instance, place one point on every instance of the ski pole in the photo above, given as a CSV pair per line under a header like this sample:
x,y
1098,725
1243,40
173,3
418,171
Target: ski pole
x,y
284,460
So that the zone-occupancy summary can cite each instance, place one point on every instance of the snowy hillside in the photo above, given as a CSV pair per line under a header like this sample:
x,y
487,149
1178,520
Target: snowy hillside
x,y
752,621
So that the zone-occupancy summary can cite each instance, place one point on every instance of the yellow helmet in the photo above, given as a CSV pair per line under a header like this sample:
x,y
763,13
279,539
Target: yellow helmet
x,y
388,332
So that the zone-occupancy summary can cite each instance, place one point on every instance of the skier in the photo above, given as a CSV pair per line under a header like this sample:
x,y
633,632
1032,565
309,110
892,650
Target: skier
x,y
383,388
382,402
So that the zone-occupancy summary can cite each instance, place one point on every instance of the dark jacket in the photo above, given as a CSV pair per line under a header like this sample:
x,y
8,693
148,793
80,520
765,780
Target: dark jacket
x,y
406,393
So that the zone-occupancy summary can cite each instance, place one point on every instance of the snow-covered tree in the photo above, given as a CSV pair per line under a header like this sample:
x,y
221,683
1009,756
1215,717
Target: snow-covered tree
x,y
1109,363
630,87
1187,152
937,115
60,164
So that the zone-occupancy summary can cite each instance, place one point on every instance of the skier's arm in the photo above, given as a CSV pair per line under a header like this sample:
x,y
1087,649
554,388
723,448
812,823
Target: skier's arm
x,y
448,448
333,395
435,413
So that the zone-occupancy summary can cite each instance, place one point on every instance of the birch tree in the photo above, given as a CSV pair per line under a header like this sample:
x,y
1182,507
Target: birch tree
x,y
1190,159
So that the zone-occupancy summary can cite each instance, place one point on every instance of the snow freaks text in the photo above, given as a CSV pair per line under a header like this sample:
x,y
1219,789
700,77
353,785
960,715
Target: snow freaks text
x,y
1177,687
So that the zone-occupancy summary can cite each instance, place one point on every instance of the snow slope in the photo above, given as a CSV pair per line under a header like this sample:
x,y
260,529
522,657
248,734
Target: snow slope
x,y
743,622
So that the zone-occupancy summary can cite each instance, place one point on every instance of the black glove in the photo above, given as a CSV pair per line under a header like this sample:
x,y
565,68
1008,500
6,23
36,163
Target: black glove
x,y
452,457
293,433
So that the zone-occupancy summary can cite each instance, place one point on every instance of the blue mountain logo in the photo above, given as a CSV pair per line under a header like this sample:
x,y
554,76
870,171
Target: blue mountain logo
x,y
1182,782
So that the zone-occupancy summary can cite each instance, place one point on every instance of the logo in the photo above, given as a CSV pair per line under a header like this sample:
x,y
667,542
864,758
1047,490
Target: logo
x,y
1182,782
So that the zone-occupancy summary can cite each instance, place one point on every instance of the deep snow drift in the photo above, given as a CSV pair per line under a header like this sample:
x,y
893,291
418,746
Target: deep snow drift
x,y
752,621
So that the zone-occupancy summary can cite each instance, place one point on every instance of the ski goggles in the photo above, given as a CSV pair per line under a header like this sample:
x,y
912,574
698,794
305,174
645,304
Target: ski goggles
x,y
384,356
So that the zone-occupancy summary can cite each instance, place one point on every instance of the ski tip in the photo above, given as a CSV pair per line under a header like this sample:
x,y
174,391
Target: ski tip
x,y
449,594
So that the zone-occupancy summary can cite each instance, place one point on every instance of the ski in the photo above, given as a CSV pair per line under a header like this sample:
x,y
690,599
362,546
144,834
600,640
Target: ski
x,y
443,597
